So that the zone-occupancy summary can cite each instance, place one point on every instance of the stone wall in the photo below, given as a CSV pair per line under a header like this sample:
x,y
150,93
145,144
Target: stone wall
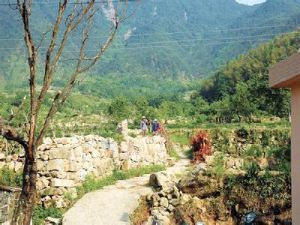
x,y
8,198
64,163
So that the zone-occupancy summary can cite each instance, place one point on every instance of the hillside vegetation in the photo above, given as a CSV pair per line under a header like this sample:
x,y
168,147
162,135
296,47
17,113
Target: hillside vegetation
x,y
157,50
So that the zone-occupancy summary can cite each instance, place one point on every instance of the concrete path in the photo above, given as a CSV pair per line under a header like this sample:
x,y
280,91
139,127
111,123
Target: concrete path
x,y
113,204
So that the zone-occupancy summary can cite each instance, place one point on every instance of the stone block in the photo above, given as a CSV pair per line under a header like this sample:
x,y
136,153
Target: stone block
x,y
62,141
58,174
55,164
62,183
78,151
47,141
95,154
2,156
73,166
124,147
59,153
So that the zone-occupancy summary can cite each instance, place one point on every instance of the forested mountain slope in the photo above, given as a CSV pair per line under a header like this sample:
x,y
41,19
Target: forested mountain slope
x,y
241,87
165,41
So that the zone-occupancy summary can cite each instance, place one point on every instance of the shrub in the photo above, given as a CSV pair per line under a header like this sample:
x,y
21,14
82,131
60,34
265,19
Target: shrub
x,y
10,178
201,146
218,165
40,213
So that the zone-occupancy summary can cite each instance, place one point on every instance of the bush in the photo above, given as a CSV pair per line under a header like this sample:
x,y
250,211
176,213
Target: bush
x,y
253,151
201,146
40,214
10,178
218,165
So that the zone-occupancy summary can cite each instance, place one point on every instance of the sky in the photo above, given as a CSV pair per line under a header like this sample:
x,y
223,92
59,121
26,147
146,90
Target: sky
x,y
250,2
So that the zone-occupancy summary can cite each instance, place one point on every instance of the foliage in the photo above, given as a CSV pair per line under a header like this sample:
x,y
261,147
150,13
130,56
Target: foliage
x,y
119,109
218,167
241,87
201,146
173,153
10,178
40,213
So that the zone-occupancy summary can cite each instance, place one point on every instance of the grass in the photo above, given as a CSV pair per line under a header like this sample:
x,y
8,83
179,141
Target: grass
x,y
210,125
174,154
10,178
181,139
92,184
41,213
218,165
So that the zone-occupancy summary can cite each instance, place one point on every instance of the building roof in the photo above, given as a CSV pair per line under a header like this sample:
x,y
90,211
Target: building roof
x,y
286,73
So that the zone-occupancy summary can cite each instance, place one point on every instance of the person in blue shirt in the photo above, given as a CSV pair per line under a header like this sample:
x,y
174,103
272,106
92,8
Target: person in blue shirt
x,y
155,127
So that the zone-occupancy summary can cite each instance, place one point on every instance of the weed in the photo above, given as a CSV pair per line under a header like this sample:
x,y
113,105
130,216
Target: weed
x,y
173,153
40,213
218,165
10,178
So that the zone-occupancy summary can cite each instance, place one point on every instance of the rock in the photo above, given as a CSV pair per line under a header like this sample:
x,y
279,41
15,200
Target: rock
x,y
56,164
2,156
62,183
42,183
209,159
52,221
175,202
176,192
59,153
47,141
18,166
164,202
263,163
184,199
171,208
230,163
164,220
158,180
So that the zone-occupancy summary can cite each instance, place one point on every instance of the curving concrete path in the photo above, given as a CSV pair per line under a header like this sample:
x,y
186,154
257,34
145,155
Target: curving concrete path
x,y
113,204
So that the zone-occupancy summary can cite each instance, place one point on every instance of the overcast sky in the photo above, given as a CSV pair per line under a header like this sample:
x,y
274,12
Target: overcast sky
x,y
250,2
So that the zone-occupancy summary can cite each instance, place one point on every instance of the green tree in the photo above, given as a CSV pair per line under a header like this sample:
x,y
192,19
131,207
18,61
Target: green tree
x,y
240,103
119,109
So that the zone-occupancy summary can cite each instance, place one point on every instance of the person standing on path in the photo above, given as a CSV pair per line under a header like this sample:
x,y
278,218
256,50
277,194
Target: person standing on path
x,y
155,127
144,126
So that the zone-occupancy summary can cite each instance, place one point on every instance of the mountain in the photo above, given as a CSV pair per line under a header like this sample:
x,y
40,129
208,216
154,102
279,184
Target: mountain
x,y
244,82
164,42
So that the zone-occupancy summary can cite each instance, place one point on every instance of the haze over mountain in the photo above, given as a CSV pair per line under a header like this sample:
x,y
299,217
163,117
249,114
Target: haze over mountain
x,y
164,39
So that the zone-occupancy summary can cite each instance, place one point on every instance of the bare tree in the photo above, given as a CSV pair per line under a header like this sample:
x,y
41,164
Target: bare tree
x,y
72,18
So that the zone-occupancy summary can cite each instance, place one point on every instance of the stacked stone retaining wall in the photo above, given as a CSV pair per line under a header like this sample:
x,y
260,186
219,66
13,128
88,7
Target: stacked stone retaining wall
x,y
64,163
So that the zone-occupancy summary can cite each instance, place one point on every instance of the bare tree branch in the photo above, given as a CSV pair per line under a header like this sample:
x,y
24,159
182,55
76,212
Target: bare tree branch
x,y
48,70
11,134
24,9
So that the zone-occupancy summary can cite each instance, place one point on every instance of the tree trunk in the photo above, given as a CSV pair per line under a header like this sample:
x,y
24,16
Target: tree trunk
x,y
24,210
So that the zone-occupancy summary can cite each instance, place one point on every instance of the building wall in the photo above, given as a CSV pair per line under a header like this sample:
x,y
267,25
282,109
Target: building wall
x,y
296,153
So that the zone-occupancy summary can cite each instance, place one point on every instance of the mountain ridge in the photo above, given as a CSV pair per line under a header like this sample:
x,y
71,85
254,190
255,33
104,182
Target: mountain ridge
x,y
189,40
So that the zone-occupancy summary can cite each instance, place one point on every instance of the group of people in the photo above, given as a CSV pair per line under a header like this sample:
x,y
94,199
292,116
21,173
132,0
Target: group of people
x,y
146,124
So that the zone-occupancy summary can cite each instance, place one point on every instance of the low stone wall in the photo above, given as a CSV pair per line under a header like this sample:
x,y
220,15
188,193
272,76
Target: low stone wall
x,y
64,163
8,199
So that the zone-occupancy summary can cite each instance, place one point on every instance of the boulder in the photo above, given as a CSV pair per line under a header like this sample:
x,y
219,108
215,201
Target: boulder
x,y
158,180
